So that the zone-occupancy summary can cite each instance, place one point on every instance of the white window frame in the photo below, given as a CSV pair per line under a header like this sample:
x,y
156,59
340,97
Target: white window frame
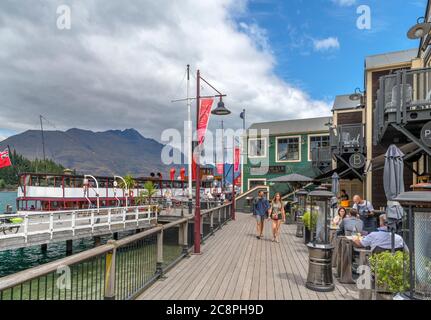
x,y
264,149
256,179
309,142
288,161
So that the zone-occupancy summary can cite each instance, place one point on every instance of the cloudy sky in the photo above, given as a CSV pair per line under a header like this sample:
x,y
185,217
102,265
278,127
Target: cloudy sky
x,y
122,62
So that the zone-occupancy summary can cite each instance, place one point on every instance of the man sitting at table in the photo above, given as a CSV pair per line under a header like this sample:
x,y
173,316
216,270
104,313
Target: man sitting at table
x,y
381,239
350,224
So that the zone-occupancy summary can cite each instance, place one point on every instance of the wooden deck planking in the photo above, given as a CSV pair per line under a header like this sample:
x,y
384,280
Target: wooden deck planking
x,y
236,266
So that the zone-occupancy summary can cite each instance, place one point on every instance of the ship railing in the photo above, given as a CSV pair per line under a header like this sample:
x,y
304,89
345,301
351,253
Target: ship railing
x,y
121,269
27,224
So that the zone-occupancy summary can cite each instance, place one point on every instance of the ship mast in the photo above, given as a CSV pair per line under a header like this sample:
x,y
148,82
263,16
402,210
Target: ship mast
x,y
43,140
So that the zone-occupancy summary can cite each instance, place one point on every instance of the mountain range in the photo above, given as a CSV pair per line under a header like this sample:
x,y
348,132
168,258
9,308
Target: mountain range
x,y
112,152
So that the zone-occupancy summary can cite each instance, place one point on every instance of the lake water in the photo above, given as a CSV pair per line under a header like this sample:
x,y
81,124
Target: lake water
x,y
7,198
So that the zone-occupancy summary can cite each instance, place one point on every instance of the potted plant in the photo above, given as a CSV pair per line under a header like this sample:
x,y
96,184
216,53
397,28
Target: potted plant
x,y
146,195
388,270
310,222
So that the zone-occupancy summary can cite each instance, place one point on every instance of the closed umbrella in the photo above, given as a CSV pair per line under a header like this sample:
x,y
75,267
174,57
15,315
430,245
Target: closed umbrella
x,y
335,191
393,183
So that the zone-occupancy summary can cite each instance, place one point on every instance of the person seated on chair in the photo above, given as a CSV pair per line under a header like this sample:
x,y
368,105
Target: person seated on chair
x,y
351,224
380,240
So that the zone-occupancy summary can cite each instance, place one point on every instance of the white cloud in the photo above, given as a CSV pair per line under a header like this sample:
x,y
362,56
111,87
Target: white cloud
x,y
121,64
344,3
327,44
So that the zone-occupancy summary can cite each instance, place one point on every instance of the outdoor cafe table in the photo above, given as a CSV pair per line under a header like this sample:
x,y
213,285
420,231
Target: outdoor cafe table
x,y
343,259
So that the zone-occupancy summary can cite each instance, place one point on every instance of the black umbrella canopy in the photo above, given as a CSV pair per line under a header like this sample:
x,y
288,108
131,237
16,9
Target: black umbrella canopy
x,y
393,180
294,177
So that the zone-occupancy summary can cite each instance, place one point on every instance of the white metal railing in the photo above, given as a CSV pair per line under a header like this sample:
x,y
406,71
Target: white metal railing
x,y
29,223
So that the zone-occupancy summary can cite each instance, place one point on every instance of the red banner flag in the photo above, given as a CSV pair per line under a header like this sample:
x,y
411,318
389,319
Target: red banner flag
x,y
204,116
5,159
237,157
182,174
172,174
219,168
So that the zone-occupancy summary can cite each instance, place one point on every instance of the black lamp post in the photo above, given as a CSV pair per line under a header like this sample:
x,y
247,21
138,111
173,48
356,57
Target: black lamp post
x,y
417,270
320,251
219,111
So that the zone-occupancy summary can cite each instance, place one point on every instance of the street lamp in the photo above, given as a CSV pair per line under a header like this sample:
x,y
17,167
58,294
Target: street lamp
x,y
220,111
86,182
419,30
358,96
125,186
418,268
320,251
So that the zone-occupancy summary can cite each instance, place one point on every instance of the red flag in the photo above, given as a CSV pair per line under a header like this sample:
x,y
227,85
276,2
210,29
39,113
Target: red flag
x,y
5,159
204,116
219,168
237,156
182,174
172,174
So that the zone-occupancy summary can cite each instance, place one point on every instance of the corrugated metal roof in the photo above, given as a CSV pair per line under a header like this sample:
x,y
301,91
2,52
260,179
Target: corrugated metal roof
x,y
343,102
380,60
294,126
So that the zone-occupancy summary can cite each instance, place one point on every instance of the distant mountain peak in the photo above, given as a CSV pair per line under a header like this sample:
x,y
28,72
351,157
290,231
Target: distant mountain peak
x,y
100,153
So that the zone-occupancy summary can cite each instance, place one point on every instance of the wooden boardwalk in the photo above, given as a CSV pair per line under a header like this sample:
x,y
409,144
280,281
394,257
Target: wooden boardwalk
x,y
237,266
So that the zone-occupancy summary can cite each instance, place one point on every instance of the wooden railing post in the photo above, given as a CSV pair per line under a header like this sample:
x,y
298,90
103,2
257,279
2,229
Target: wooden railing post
x,y
184,230
25,227
212,223
219,218
159,264
110,272
73,222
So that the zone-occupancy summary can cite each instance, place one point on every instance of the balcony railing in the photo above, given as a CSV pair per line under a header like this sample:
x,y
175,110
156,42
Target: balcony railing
x,y
321,157
348,139
403,97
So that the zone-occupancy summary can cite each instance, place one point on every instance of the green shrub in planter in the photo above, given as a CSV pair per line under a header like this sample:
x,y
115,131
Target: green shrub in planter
x,y
310,220
389,268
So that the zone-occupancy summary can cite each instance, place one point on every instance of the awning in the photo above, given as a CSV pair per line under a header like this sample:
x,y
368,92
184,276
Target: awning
x,y
411,150
292,178
342,170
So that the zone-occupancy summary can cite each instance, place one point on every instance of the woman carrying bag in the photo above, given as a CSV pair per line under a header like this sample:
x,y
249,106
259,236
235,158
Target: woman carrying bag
x,y
277,215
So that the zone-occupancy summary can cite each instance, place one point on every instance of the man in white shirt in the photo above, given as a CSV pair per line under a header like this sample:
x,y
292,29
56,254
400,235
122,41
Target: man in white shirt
x,y
380,238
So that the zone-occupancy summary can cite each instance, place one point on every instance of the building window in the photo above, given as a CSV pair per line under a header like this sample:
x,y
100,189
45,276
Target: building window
x,y
315,142
257,148
253,183
288,149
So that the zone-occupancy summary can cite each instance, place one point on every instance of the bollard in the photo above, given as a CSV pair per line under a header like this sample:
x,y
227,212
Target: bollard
x,y
159,264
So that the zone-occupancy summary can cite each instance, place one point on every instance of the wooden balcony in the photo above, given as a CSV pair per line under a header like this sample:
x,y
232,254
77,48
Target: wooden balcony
x,y
403,106
348,139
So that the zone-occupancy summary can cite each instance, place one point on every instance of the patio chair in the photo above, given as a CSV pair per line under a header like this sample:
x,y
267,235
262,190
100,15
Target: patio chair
x,y
406,89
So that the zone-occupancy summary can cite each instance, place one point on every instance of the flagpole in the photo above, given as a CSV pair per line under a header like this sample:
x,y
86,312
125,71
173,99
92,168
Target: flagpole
x,y
190,144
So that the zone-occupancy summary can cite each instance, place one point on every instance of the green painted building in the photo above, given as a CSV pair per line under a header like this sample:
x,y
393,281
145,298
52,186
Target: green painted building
x,y
275,149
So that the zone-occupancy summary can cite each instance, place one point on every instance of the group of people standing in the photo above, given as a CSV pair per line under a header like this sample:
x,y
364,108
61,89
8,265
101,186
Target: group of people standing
x,y
273,211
